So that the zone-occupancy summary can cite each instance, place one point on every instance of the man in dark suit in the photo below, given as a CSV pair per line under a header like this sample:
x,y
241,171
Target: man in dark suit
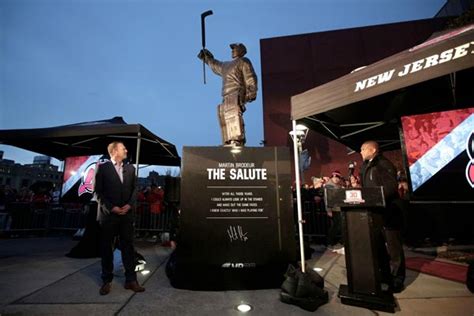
x,y
116,192
379,171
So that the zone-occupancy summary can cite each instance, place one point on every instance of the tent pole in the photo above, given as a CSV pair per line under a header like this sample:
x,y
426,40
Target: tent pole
x,y
452,77
298,194
363,130
137,161
63,164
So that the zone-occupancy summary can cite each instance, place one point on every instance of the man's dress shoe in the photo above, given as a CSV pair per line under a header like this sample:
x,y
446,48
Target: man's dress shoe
x,y
105,288
134,286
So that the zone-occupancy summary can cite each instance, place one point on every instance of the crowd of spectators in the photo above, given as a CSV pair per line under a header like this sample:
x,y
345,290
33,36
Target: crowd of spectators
x,y
24,195
312,196
19,205
314,192
15,205
153,196
150,204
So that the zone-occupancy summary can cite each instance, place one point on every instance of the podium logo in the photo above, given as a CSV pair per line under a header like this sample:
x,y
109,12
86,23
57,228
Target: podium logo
x,y
238,265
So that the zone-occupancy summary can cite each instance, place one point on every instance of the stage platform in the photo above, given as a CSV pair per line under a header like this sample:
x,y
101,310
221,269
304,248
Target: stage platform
x,y
37,279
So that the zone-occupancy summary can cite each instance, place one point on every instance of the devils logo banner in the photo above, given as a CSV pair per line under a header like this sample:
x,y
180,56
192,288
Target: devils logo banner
x,y
470,164
78,179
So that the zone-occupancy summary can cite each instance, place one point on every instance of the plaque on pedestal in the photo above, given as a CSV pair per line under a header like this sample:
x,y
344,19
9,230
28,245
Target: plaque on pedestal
x,y
359,225
236,222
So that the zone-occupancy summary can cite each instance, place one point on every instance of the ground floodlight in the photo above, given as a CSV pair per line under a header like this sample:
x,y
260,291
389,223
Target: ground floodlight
x,y
244,307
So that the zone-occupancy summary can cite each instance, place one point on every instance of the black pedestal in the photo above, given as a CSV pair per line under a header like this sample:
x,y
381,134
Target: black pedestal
x,y
236,225
384,302
361,226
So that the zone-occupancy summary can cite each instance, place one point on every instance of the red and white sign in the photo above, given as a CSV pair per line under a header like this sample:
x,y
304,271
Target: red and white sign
x,y
354,197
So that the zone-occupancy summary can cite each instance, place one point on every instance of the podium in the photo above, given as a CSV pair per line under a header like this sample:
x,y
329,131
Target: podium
x,y
361,219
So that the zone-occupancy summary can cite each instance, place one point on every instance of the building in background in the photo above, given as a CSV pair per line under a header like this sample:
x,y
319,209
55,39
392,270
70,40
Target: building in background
x,y
455,8
153,178
18,176
294,64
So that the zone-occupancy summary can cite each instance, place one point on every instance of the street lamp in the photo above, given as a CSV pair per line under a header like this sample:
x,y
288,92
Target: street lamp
x,y
300,131
298,134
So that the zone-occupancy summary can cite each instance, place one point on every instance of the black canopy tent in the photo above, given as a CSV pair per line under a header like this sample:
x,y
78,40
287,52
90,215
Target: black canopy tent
x,y
366,104
92,138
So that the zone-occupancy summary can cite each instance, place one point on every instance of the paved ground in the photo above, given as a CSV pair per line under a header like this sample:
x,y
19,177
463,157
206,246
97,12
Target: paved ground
x,y
37,279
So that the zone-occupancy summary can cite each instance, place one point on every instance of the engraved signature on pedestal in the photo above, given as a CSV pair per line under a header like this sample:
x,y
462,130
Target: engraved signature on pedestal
x,y
236,233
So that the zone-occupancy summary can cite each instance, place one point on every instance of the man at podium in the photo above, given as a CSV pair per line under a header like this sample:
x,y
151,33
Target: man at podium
x,y
379,171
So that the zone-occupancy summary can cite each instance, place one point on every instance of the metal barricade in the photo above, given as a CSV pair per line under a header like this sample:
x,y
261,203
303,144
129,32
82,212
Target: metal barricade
x,y
22,217
41,217
316,221
5,221
56,216
74,218
146,221
67,217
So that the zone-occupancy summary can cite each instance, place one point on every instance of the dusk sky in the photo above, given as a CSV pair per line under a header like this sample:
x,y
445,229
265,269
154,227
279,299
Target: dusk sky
x,y
70,61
